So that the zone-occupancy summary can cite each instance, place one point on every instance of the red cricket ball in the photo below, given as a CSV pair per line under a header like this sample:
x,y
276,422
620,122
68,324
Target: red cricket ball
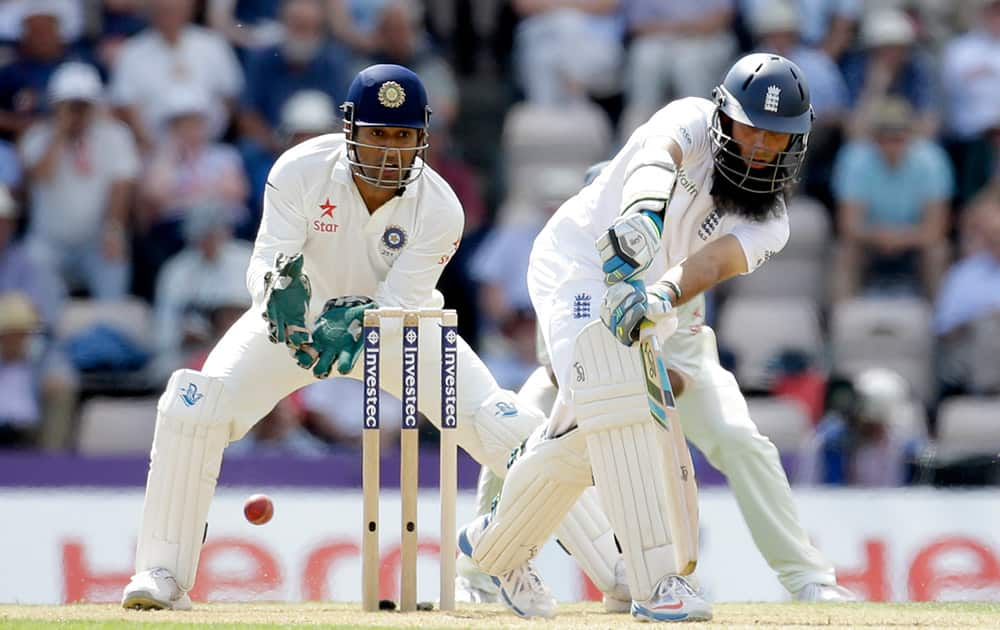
x,y
258,509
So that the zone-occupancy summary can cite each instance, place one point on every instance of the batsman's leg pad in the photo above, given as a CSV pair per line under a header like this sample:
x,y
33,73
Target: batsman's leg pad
x,y
192,430
541,486
587,534
626,453
503,423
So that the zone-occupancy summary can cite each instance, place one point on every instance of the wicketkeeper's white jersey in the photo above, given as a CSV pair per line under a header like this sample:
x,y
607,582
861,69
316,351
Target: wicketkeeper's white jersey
x,y
396,255
691,218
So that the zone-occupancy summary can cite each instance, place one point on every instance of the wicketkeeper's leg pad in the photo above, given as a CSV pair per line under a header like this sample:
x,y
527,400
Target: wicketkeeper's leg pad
x,y
503,422
627,453
192,430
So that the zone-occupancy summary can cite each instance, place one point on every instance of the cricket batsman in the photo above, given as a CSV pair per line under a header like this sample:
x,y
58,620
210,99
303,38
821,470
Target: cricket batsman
x,y
695,197
351,221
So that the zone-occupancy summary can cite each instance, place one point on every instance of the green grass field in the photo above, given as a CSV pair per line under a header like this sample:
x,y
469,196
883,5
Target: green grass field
x,y
337,615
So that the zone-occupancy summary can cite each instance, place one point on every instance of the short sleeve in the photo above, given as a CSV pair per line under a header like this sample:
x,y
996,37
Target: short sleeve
x,y
126,156
849,173
940,179
32,145
685,121
762,240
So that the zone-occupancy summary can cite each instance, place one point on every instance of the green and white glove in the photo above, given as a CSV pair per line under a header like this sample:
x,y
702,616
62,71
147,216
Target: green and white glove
x,y
286,300
336,336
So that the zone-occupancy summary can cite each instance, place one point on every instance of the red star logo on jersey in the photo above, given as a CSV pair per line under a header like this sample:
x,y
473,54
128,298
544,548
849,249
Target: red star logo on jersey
x,y
327,209
326,226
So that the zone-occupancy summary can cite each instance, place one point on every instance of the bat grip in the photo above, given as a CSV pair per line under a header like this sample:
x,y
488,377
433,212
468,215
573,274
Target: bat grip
x,y
647,328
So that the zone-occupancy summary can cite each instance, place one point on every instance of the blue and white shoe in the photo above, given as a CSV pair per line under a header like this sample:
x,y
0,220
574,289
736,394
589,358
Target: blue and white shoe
x,y
521,589
673,599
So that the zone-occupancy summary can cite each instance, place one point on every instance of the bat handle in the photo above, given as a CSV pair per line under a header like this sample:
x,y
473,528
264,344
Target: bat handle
x,y
647,328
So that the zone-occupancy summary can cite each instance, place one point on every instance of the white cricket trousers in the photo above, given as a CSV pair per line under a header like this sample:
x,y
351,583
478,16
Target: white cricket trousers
x,y
256,374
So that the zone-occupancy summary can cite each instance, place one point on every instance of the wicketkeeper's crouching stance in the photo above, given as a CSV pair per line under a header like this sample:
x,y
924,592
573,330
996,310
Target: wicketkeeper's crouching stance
x,y
695,197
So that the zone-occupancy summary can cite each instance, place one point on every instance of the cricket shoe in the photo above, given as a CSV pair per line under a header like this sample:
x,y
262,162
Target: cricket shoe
x,y
472,586
618,599
825,593
155,589
673,599
470,590
521,589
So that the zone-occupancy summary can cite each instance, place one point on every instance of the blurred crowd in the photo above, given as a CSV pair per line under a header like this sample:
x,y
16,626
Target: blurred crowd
x,y
136,137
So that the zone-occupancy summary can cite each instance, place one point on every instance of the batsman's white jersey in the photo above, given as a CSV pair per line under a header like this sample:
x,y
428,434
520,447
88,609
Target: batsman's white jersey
x,y
691,222
567,285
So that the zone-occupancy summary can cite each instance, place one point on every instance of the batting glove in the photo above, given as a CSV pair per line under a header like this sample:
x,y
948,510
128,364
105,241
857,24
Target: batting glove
x,y
629,245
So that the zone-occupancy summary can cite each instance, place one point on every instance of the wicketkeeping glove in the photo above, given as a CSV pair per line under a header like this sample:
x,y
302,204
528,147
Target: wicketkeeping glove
x,y
629,245
336,336
286,300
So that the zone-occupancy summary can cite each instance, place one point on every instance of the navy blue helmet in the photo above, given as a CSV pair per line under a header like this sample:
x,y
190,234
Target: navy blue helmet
x,y
387,95
765,91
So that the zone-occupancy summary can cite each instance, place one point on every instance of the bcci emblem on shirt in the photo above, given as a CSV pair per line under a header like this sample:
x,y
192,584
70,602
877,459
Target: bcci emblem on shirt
x,y
393,240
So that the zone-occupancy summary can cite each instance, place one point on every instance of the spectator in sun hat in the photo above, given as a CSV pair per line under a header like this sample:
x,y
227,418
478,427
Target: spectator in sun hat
x,y
890,64
37,387
892,194
18,272
41,48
